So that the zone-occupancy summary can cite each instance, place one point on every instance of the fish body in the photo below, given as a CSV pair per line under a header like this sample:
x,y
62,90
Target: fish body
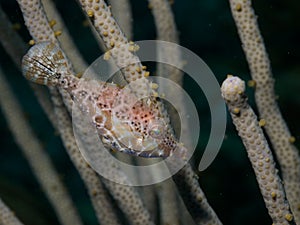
x,y
124,122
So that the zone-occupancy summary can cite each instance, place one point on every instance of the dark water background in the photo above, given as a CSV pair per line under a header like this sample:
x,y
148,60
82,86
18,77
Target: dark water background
x,y
206,28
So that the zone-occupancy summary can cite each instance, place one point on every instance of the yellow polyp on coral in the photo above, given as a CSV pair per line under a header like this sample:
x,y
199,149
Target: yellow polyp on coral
x,y
138,69
154,86
57,33
79,75
262,123
238,7
288,217
90,13
155,94
112,44
292,139
251,83
147,74
52,23
107,55
105,33
133,47
31,42
273,195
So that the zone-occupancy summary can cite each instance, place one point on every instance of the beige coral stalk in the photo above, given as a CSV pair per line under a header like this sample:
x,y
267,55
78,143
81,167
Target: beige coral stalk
x,y
7,217
168,203
16,48
37,157
258,150
194,198
41,31
164,20
121,10
118,45
36,20
166,31
276,128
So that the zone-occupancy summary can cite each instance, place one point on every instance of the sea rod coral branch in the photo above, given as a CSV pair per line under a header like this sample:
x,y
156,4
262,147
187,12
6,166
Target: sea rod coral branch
x,y
38,26
7,216
194,197
26,139
16,48
276,128
258,150
37,157
118,45
122,12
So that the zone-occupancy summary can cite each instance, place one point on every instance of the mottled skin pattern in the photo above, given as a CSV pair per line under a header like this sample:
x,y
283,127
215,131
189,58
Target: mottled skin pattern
x,y
124,122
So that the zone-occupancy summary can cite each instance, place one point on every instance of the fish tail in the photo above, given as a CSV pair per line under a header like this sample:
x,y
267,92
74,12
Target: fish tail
x,y
44,63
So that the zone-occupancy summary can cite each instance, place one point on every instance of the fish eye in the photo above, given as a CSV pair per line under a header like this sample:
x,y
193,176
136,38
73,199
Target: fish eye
x,y
156,132
157,129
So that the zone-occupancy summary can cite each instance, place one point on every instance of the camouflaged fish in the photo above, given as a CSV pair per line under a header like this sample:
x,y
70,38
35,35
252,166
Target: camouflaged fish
x,y
123,123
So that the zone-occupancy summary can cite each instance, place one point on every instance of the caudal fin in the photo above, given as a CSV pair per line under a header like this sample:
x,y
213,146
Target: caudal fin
x,y
44,63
